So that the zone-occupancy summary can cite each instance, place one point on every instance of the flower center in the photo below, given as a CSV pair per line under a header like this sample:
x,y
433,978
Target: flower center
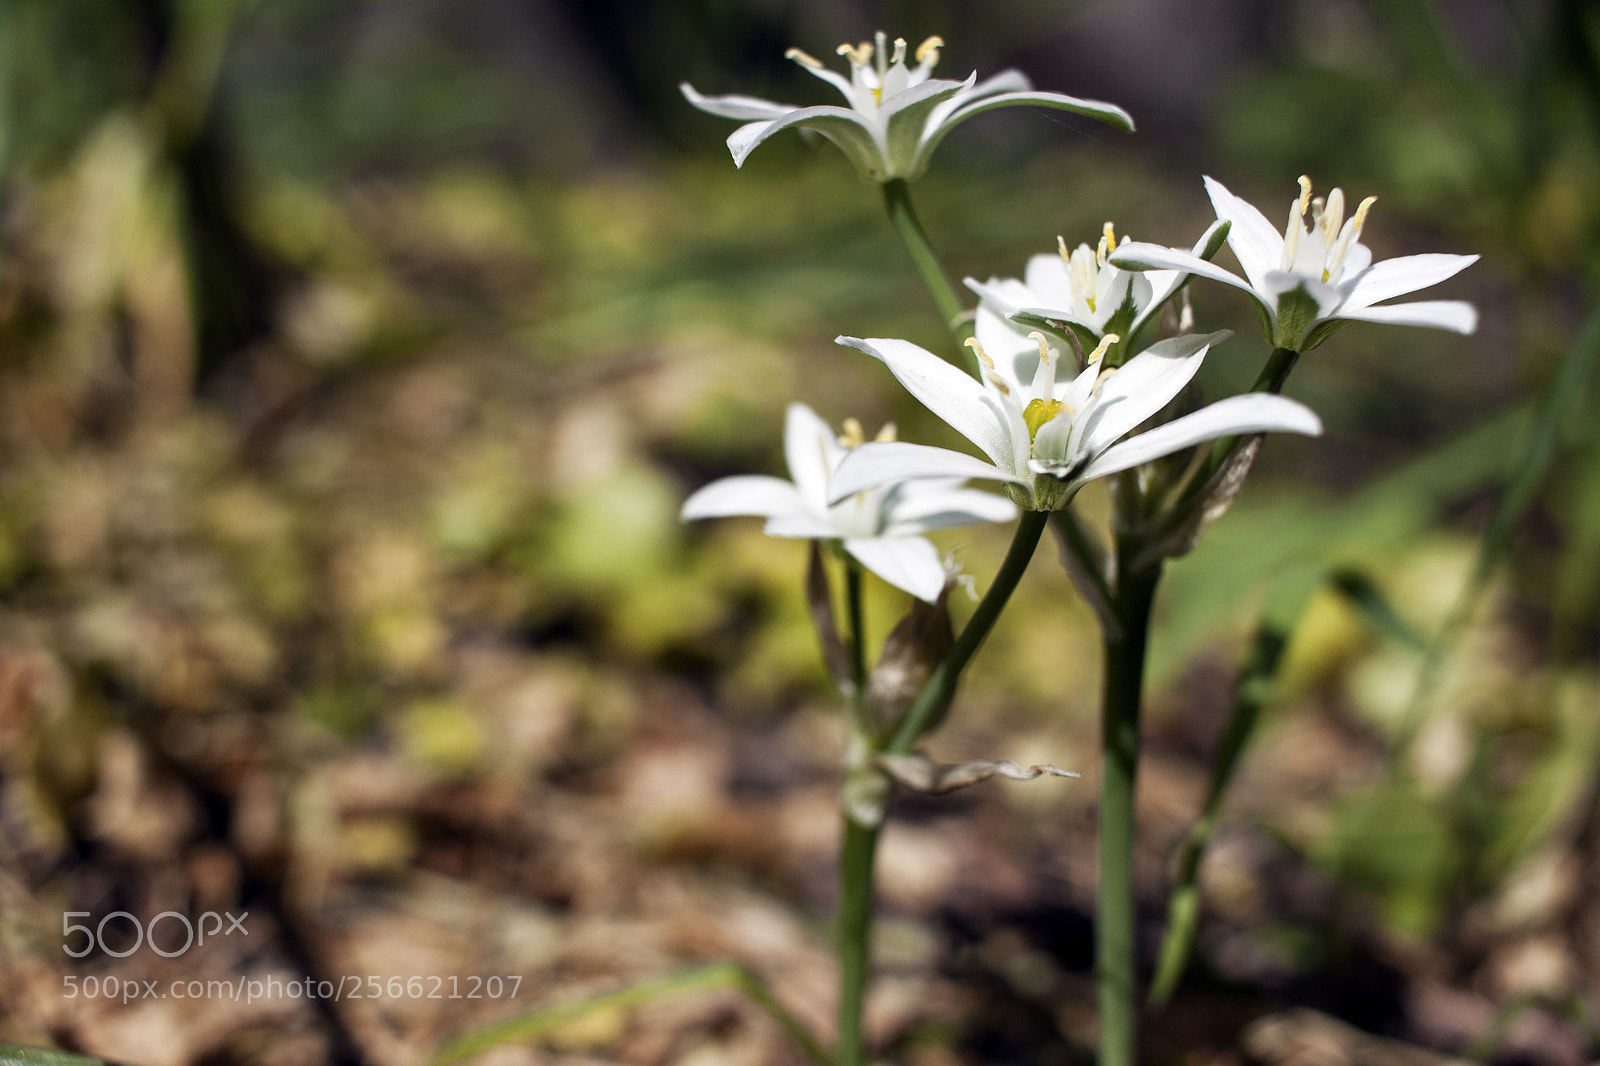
x,y
1037,413
1333,233
853,435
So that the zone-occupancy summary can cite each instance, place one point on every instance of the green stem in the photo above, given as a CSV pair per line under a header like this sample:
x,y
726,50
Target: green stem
x,y
897,200
855,937
858,640
1276,370
1115,943
936,694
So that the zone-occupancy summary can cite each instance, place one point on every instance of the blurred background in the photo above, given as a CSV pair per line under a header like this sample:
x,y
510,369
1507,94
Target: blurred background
x,y
355,359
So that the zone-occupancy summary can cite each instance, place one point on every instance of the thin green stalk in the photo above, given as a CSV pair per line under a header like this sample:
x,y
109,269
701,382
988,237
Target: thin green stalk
x,y
855,937
1183,907
1115,933
936,694
526,1027
897,200
1276,370
1541,447
858,639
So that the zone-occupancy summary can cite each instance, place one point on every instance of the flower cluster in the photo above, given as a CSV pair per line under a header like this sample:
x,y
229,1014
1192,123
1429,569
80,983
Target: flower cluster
x,y
1058,399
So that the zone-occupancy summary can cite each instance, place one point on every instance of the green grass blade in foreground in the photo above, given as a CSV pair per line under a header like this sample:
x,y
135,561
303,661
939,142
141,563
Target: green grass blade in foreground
x,y
12,1055
1266,534
1277,625
720,975
1279,620
1562,400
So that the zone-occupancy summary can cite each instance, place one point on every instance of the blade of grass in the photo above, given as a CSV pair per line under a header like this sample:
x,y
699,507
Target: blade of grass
x,y
12,1055
1563,398
1250,693
720,975
1279,621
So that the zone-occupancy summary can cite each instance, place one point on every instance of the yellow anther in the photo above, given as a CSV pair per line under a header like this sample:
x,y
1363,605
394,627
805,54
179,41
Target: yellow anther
x,y
877,95
1037,413
1361,214
1100,350
977,349
928,51
1348,236
1332,217
803,58
860,54
887,433
1305,195
853,436
1066,255
1105,376
999,383
1044,346
1110,238
899,51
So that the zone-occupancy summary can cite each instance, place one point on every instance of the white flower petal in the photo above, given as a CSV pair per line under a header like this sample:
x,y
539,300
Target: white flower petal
x,y
1256,243
922,506
1252,412
1144,385
750,494
967,105
876,464
1454,315
806,525
734,106
948,392
1137,255
854,136
909,563
812,452
1408,273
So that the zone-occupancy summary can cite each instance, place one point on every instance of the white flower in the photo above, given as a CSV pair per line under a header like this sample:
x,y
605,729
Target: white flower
x,y
1084,291
1046,438
895,115
1307,281
880,526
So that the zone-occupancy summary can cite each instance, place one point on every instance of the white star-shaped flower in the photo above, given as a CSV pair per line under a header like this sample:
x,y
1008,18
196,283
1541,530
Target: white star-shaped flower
x,y
881,526
895,115
1308,280
1082,290
1046,438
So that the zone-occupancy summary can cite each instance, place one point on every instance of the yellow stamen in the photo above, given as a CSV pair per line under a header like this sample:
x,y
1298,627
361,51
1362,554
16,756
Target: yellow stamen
x,y
928,51
1297,216
860,54
999,383
899,51
803,58
853,436
1108,240
1348,236
888,432
1100,350
1037,413
1332,217
1105,376
1061,246
1044,348
977,349
877,95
